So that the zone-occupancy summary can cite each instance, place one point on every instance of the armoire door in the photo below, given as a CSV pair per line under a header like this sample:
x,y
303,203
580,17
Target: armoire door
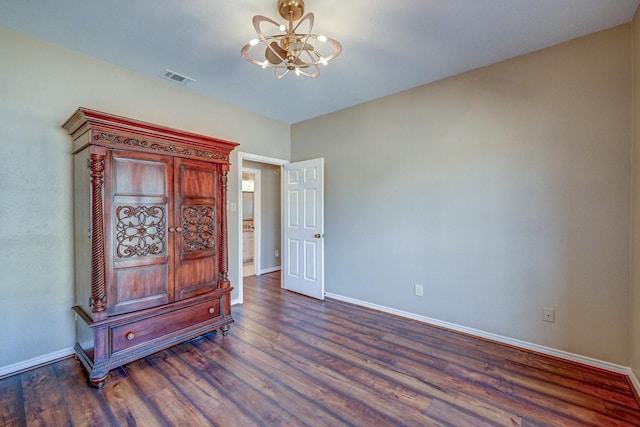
x,y
139,211
196,185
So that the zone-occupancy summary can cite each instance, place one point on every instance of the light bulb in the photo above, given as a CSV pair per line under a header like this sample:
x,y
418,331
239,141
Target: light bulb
x,y
297,71
264,64
322,38
253,42
282,27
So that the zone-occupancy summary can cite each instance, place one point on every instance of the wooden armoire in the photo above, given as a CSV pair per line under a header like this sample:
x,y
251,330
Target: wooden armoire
x,y
151,267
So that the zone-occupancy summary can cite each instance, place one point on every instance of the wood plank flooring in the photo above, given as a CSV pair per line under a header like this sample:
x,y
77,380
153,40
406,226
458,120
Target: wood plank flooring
x,y
294,361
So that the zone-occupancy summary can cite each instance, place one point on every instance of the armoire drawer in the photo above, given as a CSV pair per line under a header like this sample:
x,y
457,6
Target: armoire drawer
x,y
142,331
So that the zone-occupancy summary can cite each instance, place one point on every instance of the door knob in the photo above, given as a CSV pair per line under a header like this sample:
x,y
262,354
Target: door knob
x,y
317,236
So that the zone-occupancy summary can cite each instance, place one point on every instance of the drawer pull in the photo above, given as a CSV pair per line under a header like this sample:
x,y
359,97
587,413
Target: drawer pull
x,y
131,336
212,310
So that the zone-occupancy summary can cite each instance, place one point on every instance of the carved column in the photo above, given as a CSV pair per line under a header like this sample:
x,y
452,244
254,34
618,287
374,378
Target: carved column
x,y
224,259
98,286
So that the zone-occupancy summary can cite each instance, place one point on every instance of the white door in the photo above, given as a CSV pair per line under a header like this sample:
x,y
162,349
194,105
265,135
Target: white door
x,y
303,237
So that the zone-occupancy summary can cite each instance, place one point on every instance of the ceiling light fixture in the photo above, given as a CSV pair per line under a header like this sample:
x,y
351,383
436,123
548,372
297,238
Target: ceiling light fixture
x,y
290,49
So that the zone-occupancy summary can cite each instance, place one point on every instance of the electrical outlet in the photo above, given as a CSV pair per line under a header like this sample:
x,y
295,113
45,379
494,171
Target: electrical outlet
x,y
548,314
419,291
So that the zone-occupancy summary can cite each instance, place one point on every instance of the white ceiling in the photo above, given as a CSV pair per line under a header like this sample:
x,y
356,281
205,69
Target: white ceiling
x,y
388,46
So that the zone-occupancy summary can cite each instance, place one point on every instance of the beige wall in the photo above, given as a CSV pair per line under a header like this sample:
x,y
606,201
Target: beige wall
x,y
502,190
41,86
634,291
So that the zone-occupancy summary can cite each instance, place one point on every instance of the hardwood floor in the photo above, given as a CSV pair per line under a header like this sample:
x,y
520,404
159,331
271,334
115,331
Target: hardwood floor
x,y
291,360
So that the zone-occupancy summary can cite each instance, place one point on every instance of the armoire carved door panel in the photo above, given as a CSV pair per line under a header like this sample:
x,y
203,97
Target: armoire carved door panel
x,y
196,186
140,214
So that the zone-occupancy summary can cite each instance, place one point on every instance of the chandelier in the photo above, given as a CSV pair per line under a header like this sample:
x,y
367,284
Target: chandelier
x,y
290,48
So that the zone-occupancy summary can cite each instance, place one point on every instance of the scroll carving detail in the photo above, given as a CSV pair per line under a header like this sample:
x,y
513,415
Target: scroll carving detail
x,y
168,148
140,231
198,227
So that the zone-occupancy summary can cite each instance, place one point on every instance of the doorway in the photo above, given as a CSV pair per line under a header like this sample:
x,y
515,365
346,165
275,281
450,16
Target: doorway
x,y
251,215
265,251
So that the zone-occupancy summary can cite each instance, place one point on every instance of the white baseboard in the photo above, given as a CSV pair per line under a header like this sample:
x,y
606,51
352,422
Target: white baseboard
x,y
572,357
9,370
269,270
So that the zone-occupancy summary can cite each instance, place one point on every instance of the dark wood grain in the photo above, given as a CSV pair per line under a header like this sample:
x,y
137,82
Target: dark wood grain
x,y
43,402
127,402
11,402
86,409
293,361
170,403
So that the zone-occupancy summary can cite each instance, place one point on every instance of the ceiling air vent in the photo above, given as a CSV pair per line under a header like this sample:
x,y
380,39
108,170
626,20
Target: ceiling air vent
x,y
177,78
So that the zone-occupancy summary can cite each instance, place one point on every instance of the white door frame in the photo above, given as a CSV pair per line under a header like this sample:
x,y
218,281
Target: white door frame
x,y
260,159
